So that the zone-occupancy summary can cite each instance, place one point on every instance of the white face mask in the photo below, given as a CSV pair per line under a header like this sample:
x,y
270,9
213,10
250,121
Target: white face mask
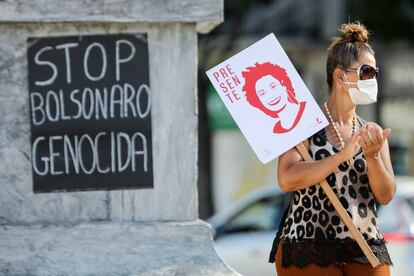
x,y
366,93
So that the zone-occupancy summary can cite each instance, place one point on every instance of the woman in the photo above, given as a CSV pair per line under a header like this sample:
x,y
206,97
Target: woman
x,y
353,156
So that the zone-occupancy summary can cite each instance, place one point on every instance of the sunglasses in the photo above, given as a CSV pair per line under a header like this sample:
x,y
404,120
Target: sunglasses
x,y
365,71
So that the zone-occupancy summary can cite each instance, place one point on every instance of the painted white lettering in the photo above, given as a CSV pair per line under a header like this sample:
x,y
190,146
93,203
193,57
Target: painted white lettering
x,y
143,152
49,96
147,91
101,103
86,59
129,93
113,152
46,63
72,150
62,106
37,108
81,151
53,154
96,156
66,47
118,101
87,114
45,160
123,136
118,59
77,102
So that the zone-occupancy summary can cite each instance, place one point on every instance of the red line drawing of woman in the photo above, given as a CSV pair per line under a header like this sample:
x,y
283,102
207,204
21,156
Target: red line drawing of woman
x,y
268,88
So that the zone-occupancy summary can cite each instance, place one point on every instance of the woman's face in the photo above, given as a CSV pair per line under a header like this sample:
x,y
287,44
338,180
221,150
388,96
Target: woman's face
x,y
364,58
271,93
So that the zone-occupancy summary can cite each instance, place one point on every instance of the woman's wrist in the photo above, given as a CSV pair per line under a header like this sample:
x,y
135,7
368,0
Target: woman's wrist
x,y
341,157
375,156
372,155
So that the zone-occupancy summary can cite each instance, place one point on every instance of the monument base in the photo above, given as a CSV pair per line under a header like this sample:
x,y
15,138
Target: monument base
x,y
110,248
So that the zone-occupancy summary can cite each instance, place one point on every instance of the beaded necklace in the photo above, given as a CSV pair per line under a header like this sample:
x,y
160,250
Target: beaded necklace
x,y
336,129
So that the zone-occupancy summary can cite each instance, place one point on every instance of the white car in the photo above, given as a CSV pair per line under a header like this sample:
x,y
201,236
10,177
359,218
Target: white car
x,y
244,231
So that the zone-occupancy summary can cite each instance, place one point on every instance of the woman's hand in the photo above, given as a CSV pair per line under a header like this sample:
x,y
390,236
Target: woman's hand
x,y
373,142
372,138
351,147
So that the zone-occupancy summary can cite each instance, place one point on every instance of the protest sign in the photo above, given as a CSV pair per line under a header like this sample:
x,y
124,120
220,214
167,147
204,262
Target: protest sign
x,y
90,113
267,98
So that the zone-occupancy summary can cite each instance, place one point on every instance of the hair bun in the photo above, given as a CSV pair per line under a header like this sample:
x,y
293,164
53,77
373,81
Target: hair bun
x,y
346,48
353,32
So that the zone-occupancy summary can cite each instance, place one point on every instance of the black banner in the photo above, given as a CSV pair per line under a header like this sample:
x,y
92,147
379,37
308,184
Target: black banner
x,y
90,111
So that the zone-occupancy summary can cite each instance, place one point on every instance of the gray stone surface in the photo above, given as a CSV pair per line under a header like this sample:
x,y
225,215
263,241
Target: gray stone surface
x,y
208,13
110,249
174,128
18,204
125,232
172,49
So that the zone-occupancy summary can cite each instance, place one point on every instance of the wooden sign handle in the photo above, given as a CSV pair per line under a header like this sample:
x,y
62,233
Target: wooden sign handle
x,y
342,212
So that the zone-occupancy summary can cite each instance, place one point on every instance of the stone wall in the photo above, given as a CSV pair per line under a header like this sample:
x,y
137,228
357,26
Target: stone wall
x,y
121,232
172,50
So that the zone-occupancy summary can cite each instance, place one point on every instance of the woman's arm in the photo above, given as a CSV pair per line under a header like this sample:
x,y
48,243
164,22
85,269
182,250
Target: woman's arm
x,y
380,172
294,173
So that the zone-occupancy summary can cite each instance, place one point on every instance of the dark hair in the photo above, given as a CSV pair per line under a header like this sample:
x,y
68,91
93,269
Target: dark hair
x,y
346,48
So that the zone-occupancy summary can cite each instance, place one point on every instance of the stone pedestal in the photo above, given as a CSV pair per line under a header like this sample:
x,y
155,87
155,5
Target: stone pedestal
x,y
120,232
108,248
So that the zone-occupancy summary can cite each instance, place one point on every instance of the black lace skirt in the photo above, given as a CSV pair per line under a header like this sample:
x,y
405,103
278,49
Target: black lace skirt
x,y
325,252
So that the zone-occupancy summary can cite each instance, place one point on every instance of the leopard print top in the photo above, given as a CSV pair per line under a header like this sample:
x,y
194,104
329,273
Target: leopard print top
x,y
313,231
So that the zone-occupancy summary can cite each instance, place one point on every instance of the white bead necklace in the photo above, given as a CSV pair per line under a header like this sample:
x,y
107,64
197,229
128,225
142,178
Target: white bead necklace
x,y
336,129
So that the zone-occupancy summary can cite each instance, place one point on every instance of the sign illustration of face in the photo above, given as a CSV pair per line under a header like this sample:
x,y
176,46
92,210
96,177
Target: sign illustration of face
x,y
271,93
268,88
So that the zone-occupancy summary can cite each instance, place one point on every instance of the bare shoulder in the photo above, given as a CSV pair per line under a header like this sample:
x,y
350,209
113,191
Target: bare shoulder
x,y
293,154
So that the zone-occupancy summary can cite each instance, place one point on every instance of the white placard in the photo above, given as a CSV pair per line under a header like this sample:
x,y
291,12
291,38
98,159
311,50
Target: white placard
x,y
267,98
